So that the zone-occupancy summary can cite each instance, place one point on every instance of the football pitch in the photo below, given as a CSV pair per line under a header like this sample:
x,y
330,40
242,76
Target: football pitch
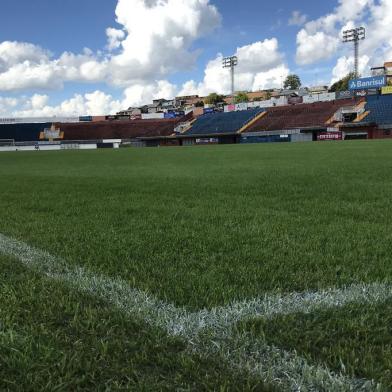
x,y
227,268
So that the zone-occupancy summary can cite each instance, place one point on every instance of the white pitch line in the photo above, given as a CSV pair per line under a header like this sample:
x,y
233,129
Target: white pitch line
x,y
212,332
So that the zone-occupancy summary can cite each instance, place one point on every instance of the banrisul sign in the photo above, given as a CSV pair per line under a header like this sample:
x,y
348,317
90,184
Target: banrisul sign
x,y
367,83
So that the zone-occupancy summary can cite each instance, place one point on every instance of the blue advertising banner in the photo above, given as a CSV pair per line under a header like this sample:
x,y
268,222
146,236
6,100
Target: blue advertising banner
x,y
367,83
209,110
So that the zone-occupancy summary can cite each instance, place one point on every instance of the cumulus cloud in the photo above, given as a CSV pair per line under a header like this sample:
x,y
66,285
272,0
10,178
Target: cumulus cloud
x,y
26,66
115,37
141,53
139,94
320,39
95,103
345,65
297,19
260,65
315,47
148,53
14,53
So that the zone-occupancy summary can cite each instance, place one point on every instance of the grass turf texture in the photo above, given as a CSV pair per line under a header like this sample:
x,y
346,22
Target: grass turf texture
x,y
355,339
204,226
54,339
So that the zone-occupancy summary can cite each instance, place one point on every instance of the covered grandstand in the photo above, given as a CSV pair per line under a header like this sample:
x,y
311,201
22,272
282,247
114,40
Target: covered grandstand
x,y
223,122
342,119
220,127
92,131
376,122
119,129
379,108
313,115
25,132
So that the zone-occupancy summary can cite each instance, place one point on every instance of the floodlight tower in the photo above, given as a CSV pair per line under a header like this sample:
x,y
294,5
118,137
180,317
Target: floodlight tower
x,y
355,35
230,62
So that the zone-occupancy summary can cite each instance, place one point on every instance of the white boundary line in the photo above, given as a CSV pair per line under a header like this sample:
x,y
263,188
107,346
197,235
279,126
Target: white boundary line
x,y
213,332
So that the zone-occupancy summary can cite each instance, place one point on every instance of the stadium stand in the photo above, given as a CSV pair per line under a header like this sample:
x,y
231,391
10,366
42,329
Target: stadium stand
x,y
380,108
299,116
120,129
22,132
220,123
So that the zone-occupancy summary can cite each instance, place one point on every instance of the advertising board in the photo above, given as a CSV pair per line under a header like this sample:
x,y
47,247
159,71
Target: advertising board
x,y
344,94
329,136
367,83
386,90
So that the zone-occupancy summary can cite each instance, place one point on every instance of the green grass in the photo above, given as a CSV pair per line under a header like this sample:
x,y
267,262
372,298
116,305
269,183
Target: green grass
x,y
54,339
198,227
204,226
355,340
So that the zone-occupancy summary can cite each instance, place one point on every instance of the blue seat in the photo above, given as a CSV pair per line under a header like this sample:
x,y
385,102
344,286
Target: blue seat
x,y
22,132
218,123
380,108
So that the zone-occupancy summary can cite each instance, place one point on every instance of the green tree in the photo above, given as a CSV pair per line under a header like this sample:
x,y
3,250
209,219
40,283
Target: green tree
x,y
292,82
342,84
199,104
214,99
241,97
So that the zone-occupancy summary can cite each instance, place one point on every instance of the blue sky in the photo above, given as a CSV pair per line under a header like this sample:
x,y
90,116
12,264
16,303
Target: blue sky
x,y
268,45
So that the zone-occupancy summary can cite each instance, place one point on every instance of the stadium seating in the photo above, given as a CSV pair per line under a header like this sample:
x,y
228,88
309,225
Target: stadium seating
x,y
22,132
218,123
119,129
380,108
299,116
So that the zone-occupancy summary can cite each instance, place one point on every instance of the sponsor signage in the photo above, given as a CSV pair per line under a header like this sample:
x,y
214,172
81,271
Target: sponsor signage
x,y
85,118
344,94
367,83
135,117
209,110
211,140
295,100
386,90
329,136
360,93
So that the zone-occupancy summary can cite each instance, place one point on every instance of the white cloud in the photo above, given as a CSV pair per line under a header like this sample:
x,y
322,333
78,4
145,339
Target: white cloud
x,y
320,39
115,37
139,94
155,40
25,66
297,19
315,47
159,35
95,103
13,53
345,65
260,65
7,105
